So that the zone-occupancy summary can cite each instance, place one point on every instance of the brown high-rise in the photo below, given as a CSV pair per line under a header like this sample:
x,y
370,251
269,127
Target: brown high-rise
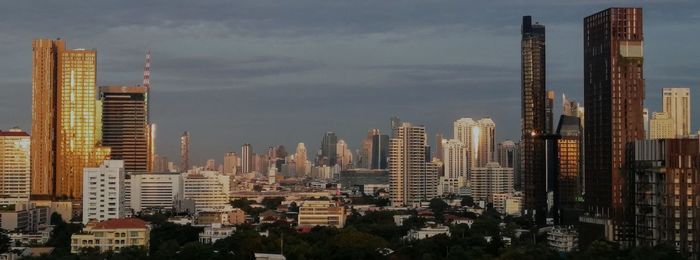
x,y
614,98
533,119
65,119
125,126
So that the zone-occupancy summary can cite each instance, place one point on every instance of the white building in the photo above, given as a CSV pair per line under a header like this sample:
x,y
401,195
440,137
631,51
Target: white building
x,y
427,232
154,191
209,190
103,191
514,204
563,239
455,171
321,213
214,232
14,166
490,180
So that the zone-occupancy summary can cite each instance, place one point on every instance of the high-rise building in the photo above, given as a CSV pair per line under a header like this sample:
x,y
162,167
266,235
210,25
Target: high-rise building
x,y
365,159
125,127
395,122
569,167
676,103
210,165
438,146
533,119
246,158
454,177
411,178
491,179
230,163
665,174
154,191
486,148
380,150
645,118
103,192
662,126
329,150
300,157
549,111
507,153
614,102
467,131
344,155
209,190
185,152
14,166
65,119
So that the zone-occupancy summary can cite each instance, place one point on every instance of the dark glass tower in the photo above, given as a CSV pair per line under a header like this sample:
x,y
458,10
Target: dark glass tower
x,y
329,149
380,150
125,125
533,119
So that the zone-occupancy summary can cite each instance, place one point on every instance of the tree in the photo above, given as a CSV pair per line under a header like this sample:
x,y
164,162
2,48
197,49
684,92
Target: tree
x,y
272,202
467,201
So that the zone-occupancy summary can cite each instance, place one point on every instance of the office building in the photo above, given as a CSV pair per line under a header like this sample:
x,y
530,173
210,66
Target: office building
x,y
380,150
155,192
247,158
231,163
549,112
411,178
662,126
321,213
365,156
486,149
103,189
533,119
676,103
112,235
65,119
568,169
125,128
329,150
209,190
14,166
614,102
665,173
344,155
185,152
467,131
300,158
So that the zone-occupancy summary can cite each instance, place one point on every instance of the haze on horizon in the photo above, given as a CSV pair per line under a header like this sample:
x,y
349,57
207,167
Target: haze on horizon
x,y
271,72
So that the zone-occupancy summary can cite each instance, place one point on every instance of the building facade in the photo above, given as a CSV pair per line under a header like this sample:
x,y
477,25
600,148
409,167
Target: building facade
x,y
321,213
662,126
125,128
209,190
411,178
112,235
454,154
14,166
103,189
490,180
676,103
155,191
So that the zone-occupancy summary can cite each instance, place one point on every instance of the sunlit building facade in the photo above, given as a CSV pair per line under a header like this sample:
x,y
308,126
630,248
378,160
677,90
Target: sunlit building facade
x,y
14,166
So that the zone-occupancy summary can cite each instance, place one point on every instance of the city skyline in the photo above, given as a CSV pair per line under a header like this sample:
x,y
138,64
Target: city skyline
x,y
454,74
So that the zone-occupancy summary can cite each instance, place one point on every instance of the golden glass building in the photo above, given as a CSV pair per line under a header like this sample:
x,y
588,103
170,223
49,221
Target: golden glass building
x,y
65,119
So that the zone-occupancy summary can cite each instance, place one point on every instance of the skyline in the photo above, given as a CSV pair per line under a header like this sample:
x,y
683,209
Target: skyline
x,y
396,59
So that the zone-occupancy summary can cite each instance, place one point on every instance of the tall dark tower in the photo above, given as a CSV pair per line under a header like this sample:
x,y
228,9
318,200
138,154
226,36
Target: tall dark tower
x,y
533,119
125,126
613,63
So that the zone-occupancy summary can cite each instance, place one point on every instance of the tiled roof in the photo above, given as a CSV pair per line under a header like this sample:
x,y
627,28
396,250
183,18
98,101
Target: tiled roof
x,y
121,223
11,133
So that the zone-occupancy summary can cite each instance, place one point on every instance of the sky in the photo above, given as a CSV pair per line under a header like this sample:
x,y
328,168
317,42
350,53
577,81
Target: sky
x,y
283,72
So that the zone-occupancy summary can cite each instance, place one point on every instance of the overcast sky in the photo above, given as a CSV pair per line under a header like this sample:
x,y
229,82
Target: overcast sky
x,y
283,72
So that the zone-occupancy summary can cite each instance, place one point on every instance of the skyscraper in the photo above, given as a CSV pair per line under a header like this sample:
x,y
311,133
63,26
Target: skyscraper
x,y
614,101
185,152
380,150
467,131
14,166
230,163
549,111
487,142
508,156
329,151
568,167
125,127
454,154
411,178
365,160
662,126
344,155
246,158
65,119
533,119
300,157
676,103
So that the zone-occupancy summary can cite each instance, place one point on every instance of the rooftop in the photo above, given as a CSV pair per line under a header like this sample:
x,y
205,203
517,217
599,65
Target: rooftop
x,y
121,223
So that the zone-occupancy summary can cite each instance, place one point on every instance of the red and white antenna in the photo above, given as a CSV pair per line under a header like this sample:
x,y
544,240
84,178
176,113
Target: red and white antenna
x,y
147,70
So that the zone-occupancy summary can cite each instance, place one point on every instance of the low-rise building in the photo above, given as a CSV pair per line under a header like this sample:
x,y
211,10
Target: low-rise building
x,y
321,213
427,232
33,238
155,191
112,235
214,232
23,217
261,256
562,239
